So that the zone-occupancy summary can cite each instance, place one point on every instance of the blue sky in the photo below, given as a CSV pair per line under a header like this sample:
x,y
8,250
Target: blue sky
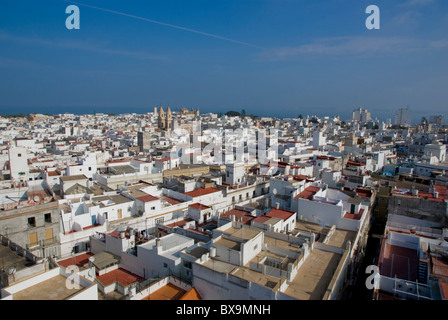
x,y
270,57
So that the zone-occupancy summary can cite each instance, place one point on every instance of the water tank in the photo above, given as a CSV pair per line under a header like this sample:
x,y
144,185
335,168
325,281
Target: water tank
x,y
212,252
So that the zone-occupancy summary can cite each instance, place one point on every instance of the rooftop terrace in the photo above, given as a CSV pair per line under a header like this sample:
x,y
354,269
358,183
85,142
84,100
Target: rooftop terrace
x,y
314,275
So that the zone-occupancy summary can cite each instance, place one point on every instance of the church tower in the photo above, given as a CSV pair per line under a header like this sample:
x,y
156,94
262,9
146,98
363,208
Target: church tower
x,y
161,121
169,119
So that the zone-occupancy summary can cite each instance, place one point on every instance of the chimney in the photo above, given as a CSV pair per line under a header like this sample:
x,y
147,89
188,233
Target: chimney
x,y
277,205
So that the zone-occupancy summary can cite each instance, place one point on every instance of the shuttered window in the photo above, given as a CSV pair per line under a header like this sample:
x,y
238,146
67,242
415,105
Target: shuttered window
x,y
49,235
32,239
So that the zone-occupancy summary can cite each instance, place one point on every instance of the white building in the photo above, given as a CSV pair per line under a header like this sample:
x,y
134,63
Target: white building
x,y
360,115
235,174
18,162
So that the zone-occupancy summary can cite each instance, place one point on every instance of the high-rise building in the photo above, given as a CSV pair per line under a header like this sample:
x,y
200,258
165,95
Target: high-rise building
x,y
437,120
360,115
403,117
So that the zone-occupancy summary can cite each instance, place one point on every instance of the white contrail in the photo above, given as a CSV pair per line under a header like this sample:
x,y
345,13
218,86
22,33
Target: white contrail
x,y
167,24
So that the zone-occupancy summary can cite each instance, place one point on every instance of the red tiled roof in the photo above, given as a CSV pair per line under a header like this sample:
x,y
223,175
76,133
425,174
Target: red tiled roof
x,y
281,214
355,163
398,261
262,219
179,223
199,206
147,198
191,294
170,200
116,234
444,289
201,192
363,192
308,193
353,216
122,276
167,292
439,266
78,261
300,177
325,158
163,159
239,214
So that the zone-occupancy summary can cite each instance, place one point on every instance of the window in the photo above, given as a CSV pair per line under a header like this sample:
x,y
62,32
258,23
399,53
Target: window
x,y
165,265
32,222
49,235
160,220
153,208
47,217
90,168
105,215
32,237
19,155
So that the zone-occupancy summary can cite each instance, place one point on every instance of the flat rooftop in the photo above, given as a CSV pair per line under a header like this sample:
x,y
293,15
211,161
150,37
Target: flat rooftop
x,y
314,275
73,178
122,276
242,272
306,226
230,244
81,261
398,261
256,277
242,233
51,289
339,238
10,258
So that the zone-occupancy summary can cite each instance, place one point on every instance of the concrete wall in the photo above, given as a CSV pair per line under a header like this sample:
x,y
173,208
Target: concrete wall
x,y
336,286
90,291
419,208
214,285
157,285
14,225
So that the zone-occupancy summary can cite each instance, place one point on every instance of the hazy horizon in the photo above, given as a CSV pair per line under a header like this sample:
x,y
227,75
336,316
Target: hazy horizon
x,y
269,57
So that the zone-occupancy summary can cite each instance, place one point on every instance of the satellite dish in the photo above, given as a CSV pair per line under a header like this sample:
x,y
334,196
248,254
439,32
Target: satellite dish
x,y
36,198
